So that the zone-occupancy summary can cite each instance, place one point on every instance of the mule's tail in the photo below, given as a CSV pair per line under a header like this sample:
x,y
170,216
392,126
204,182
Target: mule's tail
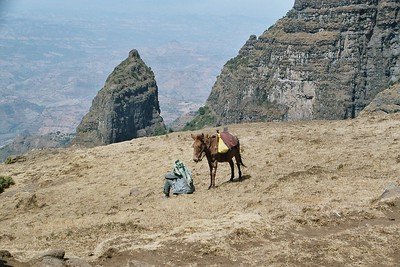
x,y
240,156
240,161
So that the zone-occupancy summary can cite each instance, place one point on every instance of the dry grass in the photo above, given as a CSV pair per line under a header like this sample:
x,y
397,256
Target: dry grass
x,y
310,197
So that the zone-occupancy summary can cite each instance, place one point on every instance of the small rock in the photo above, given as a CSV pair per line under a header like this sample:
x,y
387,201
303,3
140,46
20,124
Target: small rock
x,y
391,192
109,253
54,253
5,254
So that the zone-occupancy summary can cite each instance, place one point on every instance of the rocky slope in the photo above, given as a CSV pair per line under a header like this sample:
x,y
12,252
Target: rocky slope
x,y
386,102
24,143
126,107
314,193
323,60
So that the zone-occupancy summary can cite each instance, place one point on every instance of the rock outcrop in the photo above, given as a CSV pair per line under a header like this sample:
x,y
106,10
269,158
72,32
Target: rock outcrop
x,y
323,60
386,102
126,107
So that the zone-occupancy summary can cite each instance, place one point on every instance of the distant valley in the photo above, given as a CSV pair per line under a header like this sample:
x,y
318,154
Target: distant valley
x,y
52,67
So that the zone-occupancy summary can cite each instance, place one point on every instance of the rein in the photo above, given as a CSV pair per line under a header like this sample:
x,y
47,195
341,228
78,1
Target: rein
x,y
202,153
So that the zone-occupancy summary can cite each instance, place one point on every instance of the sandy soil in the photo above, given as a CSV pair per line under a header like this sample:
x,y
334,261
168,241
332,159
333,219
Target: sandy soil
x,y
319,193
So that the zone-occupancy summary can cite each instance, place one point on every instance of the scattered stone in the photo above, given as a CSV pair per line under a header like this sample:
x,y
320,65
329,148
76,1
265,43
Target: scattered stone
x,y
391,193
54,253
5,254
109,253
56,258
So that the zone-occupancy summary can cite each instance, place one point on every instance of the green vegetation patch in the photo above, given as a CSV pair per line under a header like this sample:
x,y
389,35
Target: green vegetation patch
x,y
204,118
236,62
159,130
10,160
5,182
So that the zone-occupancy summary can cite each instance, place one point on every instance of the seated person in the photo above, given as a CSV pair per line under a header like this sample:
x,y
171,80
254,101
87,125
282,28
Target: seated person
x,y
180,179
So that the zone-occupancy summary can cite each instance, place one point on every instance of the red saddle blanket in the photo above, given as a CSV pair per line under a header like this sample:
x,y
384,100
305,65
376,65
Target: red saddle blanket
x,y
229,139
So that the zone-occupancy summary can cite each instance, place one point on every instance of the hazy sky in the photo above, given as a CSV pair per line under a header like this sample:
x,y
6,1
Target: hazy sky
x,y
259,14
259,8
210,18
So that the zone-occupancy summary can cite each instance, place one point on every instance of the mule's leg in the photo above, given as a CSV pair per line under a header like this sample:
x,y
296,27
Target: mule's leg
x,y
213,172
232,170
238,163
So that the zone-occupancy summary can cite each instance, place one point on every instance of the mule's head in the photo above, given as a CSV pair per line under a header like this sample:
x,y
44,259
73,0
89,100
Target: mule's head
x,y
199,147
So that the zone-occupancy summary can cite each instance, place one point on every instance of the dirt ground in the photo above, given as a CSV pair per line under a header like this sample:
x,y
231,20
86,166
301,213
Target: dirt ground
x,y
317,193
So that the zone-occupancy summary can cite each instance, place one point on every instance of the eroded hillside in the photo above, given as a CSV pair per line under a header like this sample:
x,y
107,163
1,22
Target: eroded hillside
x,y
312,195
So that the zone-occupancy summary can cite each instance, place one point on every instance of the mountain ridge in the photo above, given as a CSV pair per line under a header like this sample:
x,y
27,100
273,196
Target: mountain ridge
x,y
323,60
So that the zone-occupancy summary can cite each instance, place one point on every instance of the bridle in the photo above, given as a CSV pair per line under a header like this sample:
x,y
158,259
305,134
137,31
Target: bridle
x,y
202,152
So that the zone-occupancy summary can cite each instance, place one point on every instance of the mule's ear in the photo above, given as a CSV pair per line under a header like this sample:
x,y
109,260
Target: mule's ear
x,y
193,136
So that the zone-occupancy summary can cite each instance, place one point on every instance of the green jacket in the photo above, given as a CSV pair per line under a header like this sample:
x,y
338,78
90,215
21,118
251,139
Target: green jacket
x,y
182,177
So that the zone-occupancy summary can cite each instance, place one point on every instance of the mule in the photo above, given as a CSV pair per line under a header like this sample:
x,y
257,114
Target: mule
x,y
205,145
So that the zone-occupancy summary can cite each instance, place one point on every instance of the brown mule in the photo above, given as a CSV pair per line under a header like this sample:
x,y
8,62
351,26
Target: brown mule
x,y
205,145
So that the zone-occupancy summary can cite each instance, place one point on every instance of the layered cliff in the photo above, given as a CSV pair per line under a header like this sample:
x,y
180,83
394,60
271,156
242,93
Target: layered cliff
x,y
126,107
323,60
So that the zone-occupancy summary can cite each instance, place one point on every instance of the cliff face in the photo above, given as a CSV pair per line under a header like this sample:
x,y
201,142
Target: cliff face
x,y
126,107
324,60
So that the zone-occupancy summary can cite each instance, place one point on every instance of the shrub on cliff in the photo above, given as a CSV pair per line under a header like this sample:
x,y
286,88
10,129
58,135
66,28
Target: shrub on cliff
x,y
5,182
203,118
